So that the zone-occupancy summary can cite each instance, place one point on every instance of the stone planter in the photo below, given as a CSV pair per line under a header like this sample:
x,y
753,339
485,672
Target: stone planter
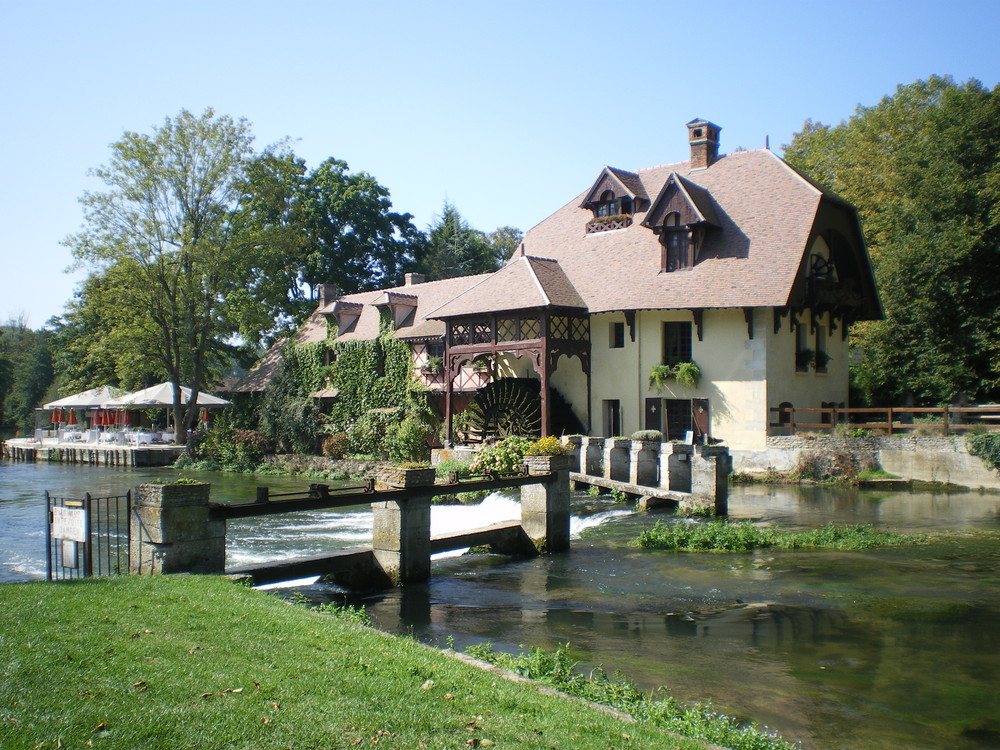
x,y
398,478
548,464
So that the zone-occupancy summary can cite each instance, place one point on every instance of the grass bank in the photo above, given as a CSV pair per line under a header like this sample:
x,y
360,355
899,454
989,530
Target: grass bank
x,y
198,662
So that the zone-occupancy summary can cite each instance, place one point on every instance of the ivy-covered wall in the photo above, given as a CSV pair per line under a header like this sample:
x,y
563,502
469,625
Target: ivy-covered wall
x,y
368,375
379,409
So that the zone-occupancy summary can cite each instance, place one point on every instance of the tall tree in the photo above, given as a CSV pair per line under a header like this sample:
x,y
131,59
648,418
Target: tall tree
x,y
923,168
356,242
25,372
454,248
162,233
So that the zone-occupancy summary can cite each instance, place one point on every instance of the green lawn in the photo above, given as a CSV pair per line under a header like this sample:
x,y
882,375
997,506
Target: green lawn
x,y
199,662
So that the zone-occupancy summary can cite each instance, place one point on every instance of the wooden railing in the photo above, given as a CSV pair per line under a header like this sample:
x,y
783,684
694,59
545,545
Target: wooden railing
x,y
890,420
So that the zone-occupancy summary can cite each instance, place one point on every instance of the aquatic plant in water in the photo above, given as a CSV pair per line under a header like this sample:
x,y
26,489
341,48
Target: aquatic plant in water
x,y
720,535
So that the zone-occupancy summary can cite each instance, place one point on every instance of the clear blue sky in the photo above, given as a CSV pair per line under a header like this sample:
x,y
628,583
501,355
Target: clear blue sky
x,y
506,109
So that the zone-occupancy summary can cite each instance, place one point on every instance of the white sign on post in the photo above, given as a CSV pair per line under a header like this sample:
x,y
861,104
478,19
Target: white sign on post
x,y
69,524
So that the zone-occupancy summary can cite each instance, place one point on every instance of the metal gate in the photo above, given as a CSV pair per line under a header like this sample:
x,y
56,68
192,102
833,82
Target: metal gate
x,y
87,536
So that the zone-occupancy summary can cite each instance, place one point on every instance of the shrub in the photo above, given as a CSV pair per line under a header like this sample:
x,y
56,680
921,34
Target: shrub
x,y
368,434
648,436
986,446
452,464
619,496
547,446
336,446
407,441
226,449
827,465
504,457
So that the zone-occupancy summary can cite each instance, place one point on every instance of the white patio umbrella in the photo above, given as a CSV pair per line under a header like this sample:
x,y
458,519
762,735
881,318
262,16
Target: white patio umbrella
x,y
94,398
162,396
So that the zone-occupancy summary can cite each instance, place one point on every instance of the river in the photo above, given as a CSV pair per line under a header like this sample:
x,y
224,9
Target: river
x,y
892,648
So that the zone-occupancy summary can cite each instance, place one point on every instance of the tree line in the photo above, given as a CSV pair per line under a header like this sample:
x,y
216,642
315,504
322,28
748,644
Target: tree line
x,y
203,251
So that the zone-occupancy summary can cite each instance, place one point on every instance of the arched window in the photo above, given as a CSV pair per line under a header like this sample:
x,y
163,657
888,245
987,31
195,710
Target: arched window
x,y
609,205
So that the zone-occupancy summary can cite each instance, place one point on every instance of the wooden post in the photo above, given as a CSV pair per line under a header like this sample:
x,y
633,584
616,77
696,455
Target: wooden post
x,y
889,418
945,422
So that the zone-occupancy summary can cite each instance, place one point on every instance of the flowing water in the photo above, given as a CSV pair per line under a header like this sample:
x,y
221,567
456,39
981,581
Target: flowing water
x,y
890,648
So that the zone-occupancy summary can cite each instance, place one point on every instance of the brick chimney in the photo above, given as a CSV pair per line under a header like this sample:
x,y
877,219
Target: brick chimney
x,y
414,278
327,294
704,139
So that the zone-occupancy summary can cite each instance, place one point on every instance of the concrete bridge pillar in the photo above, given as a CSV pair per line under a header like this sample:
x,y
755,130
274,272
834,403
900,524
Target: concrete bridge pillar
x,y
616,459
171,532
401,539
545,507
401,535
675,466
643,463
710,469
592,451
577,454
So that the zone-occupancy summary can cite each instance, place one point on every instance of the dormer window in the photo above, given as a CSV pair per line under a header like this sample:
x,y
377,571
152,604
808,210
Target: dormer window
x,y
676,241
608,205
612,200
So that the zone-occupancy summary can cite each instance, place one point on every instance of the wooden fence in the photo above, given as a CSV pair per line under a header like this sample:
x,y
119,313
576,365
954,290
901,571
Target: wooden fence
x,y
890,420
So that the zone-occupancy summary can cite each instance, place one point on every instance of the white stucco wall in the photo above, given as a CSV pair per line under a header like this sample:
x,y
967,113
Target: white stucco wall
x,y
742,378
804,390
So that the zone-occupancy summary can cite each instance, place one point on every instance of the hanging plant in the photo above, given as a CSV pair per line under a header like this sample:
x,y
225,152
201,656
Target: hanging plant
x,y
433,365
685,373
659,375
821,360
803,358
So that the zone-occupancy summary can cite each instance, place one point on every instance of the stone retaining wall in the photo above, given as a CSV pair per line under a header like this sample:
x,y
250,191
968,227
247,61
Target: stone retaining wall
x,y
919,457
298,464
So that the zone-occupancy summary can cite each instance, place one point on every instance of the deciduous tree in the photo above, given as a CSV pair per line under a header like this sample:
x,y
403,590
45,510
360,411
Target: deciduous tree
x,y
163,236
923,168
356,242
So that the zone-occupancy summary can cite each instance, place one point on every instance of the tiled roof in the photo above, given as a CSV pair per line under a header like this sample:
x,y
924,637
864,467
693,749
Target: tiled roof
x,y
761,213
427,296
631,181
525,282
764,209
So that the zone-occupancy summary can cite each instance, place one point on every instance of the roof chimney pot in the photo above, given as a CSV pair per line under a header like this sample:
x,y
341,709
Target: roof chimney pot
x,y
327,294
411,279
704,139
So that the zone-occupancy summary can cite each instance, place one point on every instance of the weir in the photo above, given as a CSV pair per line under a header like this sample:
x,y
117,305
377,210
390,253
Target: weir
x,y
177,529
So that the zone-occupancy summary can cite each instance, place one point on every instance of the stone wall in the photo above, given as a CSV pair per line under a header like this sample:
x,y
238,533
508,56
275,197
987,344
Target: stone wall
x,y
297,464
923,458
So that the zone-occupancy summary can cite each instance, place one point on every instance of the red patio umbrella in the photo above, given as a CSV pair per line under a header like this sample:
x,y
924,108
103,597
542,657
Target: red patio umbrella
x,y
71,417
98,418
56,416
126,418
